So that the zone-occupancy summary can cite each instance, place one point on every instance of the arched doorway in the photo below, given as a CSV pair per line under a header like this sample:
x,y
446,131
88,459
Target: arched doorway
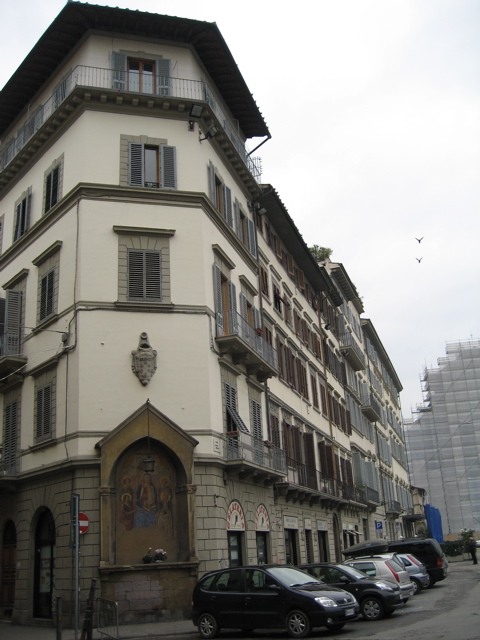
x,y
9,568
44,565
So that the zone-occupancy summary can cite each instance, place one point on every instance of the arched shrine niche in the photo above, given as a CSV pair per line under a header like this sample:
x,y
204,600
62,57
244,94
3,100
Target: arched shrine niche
x,y
150,512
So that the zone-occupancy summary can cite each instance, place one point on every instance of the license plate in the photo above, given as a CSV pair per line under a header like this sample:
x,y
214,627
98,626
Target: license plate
x,y
401,596
349,612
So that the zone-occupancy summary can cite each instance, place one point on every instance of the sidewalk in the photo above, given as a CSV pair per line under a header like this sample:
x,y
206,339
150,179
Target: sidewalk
x,y
164,629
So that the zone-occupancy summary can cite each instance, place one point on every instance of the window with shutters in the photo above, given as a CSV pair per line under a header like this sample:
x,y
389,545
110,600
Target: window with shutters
x,y
144,265
313,384
47,295
233,420
227,320
11,430
11,313
147,162
256,424
22,215
144,275
53,184
44,420
141,75
2,224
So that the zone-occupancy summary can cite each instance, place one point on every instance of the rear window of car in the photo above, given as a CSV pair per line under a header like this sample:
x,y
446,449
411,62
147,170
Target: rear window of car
x,y
419,548
367,567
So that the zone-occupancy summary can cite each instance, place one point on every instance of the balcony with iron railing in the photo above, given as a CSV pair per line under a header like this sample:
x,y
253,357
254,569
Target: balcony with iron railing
x,y
248,456
11,359
247,346
393,507
303,481
369,496
112,84
370,407
351,351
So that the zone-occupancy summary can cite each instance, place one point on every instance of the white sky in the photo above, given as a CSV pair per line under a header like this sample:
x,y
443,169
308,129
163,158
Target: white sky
x,y
374,110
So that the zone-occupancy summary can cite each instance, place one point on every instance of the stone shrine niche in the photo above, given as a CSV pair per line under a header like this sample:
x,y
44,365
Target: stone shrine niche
x,y
146,513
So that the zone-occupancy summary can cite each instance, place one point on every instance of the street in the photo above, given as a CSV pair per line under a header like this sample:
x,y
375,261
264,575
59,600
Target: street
x,y
449,611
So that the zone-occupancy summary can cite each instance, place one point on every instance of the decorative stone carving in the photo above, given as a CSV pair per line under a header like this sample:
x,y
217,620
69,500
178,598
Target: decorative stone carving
x,y
144,360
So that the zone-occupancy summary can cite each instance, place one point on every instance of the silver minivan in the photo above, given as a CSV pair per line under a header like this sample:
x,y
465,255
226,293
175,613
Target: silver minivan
x,y
386,566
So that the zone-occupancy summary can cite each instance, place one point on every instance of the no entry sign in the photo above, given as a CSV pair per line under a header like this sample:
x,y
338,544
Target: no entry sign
x,y
83,523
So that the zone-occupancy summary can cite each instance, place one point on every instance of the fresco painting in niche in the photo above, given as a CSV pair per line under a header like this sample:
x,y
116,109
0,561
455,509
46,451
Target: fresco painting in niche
x,y
145,508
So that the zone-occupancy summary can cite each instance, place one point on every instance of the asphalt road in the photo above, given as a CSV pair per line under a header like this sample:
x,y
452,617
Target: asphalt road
x,y
448,611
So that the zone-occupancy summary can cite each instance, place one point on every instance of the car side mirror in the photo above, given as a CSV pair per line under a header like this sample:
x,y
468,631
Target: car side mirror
x,y
344,579
274,587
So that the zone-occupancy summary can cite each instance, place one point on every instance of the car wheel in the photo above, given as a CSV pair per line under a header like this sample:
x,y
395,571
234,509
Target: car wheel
x,y
417,587
335,626
430,583
372,609
208,626
298,624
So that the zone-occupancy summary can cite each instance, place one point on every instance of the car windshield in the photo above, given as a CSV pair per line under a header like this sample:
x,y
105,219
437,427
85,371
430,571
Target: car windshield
x,y
354,573
291,577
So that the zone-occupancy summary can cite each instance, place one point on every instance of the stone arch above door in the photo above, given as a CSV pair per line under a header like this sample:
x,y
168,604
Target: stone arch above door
x,y
143,507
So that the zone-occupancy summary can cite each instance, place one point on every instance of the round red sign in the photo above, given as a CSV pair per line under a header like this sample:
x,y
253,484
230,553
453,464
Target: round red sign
x,y
83,523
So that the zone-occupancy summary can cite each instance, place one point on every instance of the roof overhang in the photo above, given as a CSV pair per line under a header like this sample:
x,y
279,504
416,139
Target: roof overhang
x,y
77,20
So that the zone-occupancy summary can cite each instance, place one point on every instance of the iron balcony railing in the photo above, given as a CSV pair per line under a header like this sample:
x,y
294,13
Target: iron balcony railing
x,y
244,446
235,324
305,476
393,506
348,342
371,407
367,495
109,79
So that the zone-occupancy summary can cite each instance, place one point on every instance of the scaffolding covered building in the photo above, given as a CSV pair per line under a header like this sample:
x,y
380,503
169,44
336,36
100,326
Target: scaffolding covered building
x,y
443,439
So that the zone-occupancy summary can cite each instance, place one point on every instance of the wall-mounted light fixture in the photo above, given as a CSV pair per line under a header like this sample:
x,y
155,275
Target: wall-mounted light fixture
x,y
148,462
259,209
195,114
210,132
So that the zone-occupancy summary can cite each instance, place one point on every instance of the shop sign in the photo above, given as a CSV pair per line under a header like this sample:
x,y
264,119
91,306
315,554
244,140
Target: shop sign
x,y
290,522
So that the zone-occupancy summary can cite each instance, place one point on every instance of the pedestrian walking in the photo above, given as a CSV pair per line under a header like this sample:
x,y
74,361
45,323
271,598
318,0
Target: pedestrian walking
x,y
472,547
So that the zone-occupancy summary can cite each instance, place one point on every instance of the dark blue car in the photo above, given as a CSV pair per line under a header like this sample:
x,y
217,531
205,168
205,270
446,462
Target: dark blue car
x,y
269,597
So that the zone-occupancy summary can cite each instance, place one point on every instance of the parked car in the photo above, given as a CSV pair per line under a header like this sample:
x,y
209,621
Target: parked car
x,y
268,597
386,567
416,570
428,551
376,598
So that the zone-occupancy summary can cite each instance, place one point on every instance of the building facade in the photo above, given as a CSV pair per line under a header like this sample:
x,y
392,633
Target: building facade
x,y
172,356
443,439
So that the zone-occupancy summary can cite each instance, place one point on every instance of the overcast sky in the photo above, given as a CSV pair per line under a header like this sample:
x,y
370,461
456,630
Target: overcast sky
x,y
374,110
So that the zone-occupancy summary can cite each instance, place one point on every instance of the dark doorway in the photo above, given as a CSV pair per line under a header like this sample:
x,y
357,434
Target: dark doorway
x,y
44,566
291,555
235,549
9,561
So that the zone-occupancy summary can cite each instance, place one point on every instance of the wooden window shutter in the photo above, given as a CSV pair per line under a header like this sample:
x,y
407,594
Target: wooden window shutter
x,y
119,63
47,291
322,450
252,242
9,455
290,265
11,322
238,220
163,76
44,412
227,205
217,286
275,431
257,421
278,247
212,184
135,164
243,307
168,166
144,275
232,295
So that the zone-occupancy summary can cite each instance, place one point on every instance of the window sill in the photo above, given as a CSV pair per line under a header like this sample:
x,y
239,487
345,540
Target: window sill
x,y
144,306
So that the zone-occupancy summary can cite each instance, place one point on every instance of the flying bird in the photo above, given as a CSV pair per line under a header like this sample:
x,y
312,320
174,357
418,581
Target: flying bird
x,y
419,239
419,259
